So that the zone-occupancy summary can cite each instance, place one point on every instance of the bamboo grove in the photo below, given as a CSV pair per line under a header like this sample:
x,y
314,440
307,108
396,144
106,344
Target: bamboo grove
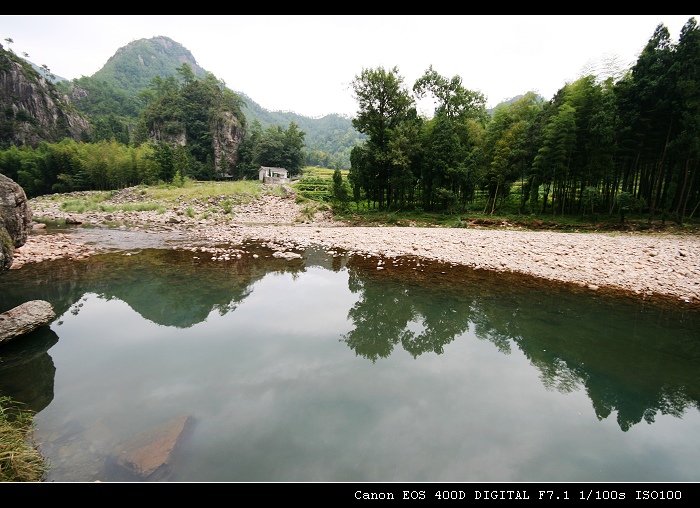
x,y
618,144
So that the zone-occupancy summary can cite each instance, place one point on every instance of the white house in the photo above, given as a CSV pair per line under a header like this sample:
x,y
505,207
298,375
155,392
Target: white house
x,y
273,175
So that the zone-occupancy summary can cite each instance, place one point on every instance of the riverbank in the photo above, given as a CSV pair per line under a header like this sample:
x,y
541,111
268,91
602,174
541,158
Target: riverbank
x,y
642,264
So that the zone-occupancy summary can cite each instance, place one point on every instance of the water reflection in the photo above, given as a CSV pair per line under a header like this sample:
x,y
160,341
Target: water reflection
x,y
633,359
242,344
27,371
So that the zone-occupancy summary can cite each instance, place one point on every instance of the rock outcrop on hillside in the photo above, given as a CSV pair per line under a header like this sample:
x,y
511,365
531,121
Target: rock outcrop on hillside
x,y
15,220
32,109
227,136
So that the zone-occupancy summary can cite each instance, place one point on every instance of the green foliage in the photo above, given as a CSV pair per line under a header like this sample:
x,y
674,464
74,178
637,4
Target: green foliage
x,y
101,99
274,147
178,179
626,202
340,191
453,100
191,111
329,139
386,112
72,166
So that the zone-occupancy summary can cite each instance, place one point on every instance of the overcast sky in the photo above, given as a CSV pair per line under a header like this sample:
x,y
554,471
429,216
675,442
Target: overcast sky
x,y
305,63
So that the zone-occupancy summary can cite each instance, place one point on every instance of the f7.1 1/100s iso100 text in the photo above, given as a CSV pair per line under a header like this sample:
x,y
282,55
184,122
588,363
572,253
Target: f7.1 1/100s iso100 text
x,y
517,495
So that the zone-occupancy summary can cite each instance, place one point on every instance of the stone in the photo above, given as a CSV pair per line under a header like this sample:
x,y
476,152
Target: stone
x,y
24,319
15,220
149,456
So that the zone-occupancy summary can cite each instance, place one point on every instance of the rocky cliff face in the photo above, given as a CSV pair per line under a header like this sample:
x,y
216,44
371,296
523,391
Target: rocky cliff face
x,y
227,136
32,109
15,220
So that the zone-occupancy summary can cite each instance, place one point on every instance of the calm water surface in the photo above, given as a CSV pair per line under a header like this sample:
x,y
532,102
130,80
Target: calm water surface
x,y
327,369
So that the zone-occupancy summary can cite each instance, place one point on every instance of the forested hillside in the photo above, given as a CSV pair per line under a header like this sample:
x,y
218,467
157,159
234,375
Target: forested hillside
x,y
132,68
116,95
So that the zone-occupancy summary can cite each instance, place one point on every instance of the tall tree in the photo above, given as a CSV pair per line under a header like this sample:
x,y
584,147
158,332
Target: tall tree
x,y
686,77
646,98
293,157
449,175
453,99
552,160
384,104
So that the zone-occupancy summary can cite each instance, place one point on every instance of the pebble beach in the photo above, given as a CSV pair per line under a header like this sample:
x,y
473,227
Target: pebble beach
x,y
641,264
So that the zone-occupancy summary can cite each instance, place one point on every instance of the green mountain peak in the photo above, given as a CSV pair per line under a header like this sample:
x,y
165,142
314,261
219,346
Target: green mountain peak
x,y
132,67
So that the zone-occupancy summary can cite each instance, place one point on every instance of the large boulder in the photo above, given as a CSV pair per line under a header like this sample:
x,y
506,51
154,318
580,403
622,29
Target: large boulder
x,y
25,318
15,220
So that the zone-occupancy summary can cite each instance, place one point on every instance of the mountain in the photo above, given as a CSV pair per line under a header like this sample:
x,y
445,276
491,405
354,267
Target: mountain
x,y
132,68
32,109
113,91
111,100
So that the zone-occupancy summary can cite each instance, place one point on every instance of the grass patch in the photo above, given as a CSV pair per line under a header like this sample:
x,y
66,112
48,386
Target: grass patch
x,y
161,196
20,460
141,207
88,205
241,191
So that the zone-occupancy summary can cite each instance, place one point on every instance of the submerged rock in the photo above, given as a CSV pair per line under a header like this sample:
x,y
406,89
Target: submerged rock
x,y
149,456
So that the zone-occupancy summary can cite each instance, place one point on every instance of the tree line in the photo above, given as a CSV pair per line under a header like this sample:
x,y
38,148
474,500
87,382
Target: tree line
x,y
600,145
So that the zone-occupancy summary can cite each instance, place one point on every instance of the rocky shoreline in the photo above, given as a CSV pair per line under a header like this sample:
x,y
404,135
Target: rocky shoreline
x,y
641,264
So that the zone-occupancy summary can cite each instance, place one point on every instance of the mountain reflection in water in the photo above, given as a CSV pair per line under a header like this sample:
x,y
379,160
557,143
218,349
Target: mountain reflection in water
x,y
245,330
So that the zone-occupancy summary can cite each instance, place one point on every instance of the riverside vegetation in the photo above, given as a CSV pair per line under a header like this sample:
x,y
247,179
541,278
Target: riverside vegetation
x,y
20,460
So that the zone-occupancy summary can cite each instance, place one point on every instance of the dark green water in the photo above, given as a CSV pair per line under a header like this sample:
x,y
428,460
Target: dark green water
x,y
327,369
